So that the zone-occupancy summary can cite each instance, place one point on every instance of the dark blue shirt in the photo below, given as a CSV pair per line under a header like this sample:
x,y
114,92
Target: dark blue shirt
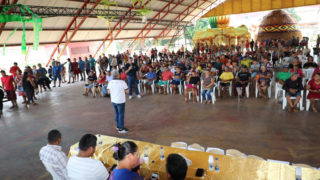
x,y
124,174
42,71
150,75
133,71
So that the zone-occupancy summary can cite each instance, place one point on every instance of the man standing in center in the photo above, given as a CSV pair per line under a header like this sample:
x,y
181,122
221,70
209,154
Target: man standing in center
x,y
131,70
117,89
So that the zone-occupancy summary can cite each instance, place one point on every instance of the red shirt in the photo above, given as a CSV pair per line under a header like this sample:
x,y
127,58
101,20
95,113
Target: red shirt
x,y
101,80
123,76
8,82
166,76
13,70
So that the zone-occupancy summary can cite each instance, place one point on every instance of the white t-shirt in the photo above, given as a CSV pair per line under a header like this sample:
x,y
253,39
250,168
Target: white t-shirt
x,y
80,168
117,91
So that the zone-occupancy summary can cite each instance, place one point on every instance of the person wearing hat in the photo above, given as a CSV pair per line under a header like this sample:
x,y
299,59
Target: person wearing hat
x,y
283,75
293,87
117,89
225,78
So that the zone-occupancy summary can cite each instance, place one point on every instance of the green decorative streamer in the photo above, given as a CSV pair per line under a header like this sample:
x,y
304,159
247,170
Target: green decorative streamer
x,y
213,21
4,44
106,6
142,11
35,19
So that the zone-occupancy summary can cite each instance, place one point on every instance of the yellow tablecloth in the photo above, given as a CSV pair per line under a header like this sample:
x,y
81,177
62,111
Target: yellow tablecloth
x,y
231,168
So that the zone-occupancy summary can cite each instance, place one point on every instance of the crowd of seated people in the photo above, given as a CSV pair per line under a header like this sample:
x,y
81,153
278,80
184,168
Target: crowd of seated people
x,y
82,166
195,73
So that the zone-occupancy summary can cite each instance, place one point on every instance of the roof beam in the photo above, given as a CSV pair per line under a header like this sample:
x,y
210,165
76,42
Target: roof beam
x,y
121,27
127,7
76,28
82,29
93,40
190,21
188,10
66,30
2,25
182,4
158,15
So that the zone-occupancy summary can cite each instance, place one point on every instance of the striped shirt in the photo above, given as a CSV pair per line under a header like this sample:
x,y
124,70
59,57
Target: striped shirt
x,y
80,168
53,156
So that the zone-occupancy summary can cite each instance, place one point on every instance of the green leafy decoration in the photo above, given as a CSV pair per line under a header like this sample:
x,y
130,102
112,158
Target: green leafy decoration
x,y
23,18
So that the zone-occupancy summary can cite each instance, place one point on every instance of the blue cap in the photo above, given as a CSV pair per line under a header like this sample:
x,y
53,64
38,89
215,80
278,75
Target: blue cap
x,y
285,66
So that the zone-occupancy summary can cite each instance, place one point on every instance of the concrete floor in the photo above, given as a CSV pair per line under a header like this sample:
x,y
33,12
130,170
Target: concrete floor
x,y
254,126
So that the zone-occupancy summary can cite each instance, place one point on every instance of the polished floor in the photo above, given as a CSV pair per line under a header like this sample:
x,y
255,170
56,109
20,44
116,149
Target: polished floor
x,y
254,126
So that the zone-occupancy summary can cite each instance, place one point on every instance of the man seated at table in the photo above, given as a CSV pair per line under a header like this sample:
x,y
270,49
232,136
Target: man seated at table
x,y
82,167
242,79
293,87
176,167
53,157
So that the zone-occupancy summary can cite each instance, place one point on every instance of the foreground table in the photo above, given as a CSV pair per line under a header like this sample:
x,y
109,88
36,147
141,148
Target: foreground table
x,y
231,168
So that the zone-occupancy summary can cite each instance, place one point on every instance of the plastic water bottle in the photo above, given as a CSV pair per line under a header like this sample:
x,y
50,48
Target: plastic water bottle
x,y
298,173
216,167
161,154
146,156
210,163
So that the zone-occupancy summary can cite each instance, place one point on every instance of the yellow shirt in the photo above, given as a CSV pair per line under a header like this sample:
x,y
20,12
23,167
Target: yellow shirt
x,y
246,62
227,77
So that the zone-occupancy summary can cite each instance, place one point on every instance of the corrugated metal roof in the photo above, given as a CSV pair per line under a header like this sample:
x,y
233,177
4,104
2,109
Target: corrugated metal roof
x,y
96,28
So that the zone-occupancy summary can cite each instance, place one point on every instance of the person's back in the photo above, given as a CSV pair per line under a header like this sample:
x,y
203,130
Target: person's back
x,y
84,168
117,90
81,166
53,157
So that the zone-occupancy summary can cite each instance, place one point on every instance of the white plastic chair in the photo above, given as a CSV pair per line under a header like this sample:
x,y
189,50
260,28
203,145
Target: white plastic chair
x,y
168,88
215,150
230,88
269,90
308,101
153,86
235,153
277,88
190,93
213,94
50,168
247,90
195,147
255,157
277,161
284,100
307,75
181,145
179,88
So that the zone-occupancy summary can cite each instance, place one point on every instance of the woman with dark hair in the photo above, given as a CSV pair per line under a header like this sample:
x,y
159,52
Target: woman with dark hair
x,y
28,88
313,87
128,156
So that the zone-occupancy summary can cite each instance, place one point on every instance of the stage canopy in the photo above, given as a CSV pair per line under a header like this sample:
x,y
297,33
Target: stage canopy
x,y
247,6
